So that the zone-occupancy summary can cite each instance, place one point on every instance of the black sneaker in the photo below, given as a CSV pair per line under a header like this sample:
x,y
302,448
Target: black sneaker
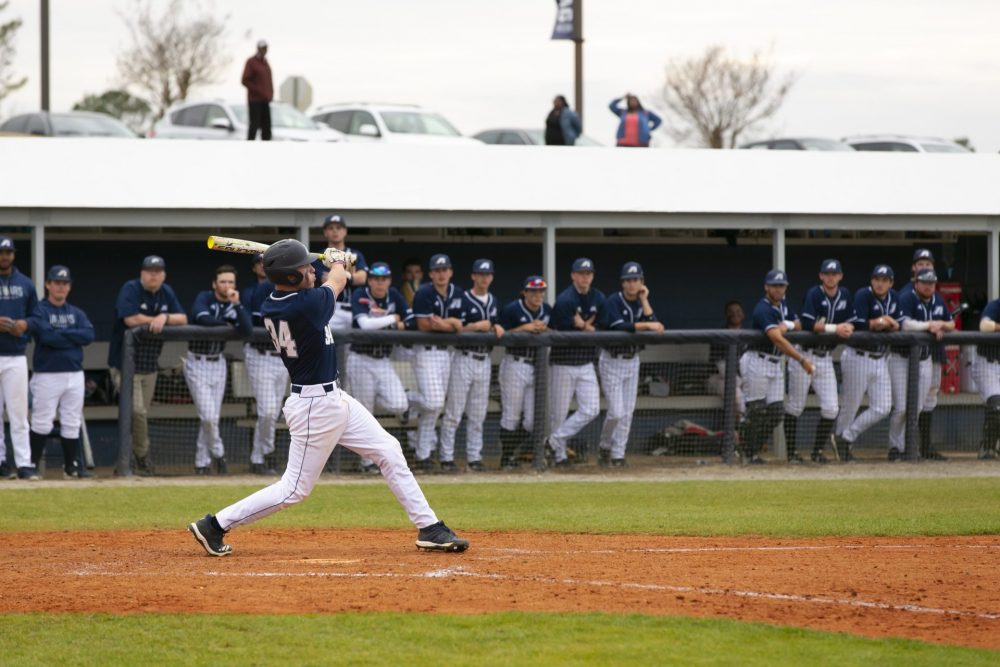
x,y
475,466
7,471
509,463
203,470
71,471
562,465
423,465
604,457
448,466
220,466
895,454
756,460
935,455
987,454
618,463
439,537
818,457
210,537
29,473
795,458
144,467
371,469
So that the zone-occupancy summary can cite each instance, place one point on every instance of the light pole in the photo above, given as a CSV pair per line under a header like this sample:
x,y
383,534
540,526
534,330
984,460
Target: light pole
x,y
45,55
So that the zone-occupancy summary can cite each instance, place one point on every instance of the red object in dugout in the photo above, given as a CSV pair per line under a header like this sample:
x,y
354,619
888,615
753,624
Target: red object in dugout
x,y
951,366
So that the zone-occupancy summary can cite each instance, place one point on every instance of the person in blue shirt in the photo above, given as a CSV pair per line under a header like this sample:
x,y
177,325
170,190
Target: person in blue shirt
x,y
335,234
147,300
626,310
635,124
572,367
61,331
205,367
319,414
986,373
17,301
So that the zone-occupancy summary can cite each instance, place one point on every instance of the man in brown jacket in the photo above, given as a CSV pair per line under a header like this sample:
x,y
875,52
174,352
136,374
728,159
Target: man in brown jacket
x,y
260,92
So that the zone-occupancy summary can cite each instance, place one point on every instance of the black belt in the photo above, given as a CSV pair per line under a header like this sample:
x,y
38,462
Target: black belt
x,y
327,387
377,355
478,356
870,355
433,347
527,360
768,358
205,357
819,353
628,355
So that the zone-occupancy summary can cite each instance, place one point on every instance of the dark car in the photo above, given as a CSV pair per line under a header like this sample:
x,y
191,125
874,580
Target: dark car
x,y
69,124
799,144
520,137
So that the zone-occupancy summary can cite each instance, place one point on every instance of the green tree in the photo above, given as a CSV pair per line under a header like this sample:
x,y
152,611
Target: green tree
x,y
8,31
965,141
131,110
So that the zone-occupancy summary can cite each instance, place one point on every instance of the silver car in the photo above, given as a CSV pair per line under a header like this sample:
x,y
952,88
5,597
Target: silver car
x,y
68,124
229,121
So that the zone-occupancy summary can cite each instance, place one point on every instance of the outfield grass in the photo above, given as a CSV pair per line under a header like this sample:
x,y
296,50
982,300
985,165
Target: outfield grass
x,y
418,639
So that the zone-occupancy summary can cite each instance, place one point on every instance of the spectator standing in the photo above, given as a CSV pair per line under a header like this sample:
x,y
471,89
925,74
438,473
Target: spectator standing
x,y
413,277
60,331
562,125
335,234
635,123
146,300
260,92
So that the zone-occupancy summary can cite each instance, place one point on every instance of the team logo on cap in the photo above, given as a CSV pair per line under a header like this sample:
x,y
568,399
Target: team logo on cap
x,y
881,270
633,269
6,243
441,260
484,265
62,273
832,266
585,264
779,276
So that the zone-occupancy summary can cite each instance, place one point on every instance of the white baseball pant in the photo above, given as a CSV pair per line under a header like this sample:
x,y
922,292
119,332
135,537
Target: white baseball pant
x,y
269,382
898,372
375,383
863,375
318,421
620,381
517,393
565,381
469,393
206,380
931,400
62,392
986,375
431,367
342,317
824,383
763,377
14,397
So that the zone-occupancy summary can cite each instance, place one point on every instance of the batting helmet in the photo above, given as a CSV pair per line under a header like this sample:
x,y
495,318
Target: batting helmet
x,y
282,261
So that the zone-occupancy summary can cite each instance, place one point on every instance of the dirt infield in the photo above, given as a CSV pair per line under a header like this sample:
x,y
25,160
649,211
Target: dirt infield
x,y
936,589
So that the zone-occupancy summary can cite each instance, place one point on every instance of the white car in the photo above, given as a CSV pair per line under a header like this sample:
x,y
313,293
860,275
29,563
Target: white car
x,y
904,144
229,120
390,123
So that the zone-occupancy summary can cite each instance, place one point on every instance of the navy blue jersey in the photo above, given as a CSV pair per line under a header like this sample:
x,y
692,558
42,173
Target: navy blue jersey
x,y
868,306
299,326
253,298
365,304
60,334
817,305
991,312
916,309
619,314
517,313
568,304
427,302
767,316
208,311
344,298
134,300
475,310
17,301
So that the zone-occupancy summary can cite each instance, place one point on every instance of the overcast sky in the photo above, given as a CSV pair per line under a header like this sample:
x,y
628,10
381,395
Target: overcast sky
x,y
866,66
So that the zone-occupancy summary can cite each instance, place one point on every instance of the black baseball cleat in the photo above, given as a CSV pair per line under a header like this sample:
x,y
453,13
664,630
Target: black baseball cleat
x,y
29,473
439,537
895,454
475,466
794,458
448,466
7,471
819,457
604,457
210,537
618,463
756,460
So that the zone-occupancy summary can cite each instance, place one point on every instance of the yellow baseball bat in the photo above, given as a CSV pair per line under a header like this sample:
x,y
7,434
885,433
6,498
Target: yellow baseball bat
x,y
242,246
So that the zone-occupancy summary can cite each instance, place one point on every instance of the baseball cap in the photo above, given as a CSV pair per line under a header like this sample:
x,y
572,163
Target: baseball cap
x,y
926,276
883,271
154,263
631,270
583,264
923,253
482,266
6,243
380,269
439,261
830,266
334,219
261,43
776,277
59,272
534,283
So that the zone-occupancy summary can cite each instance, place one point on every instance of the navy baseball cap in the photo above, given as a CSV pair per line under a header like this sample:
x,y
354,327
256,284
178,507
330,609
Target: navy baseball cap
x,y
534,283
380,269
923,253
59,272
154,263
583,264
926,276
830,266
6,243
257,259
439,261
776,277
631,270
482,266
883,271
334,219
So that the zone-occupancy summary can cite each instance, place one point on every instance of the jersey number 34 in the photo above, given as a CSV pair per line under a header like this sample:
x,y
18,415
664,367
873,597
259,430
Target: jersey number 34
x,y
282,338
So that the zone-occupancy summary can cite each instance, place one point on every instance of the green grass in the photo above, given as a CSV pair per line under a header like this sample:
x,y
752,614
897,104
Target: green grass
x,y
966,506
395,639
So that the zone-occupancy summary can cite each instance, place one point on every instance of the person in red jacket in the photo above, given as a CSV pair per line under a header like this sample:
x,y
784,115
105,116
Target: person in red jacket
x,y
260,92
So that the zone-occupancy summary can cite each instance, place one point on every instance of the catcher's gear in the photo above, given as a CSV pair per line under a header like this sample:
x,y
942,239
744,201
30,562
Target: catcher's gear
x,y
283,259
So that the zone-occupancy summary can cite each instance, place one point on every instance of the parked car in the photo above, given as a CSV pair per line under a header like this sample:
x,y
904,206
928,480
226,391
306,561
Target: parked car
x,y
799,144
68,124
521,137
903,144
230,121
390,123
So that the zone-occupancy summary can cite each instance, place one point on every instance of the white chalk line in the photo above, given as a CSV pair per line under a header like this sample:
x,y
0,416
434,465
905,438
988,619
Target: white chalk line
x,y
681,550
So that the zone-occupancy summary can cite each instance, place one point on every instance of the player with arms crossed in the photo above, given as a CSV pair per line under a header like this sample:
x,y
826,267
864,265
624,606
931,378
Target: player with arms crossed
x,y
319,415
986,373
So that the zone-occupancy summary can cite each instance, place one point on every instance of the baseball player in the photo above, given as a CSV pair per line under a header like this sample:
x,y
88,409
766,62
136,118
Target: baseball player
x,y
923,309
268,377
626,310
763,364
437,306
572,370
17,301
469,385
61,331
529,314
205,364
319,414
924,259
986,373
865,366
335,233
827,308
373,379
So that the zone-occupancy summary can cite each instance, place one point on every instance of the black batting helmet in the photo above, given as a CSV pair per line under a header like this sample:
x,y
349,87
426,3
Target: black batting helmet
x,y
282,261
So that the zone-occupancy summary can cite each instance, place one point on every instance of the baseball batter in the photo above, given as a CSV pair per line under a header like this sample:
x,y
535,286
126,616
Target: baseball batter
x,y
205,364
61,331
986,373
827,308
529,314
763,365
866,366
626,310
469,384
335,233
318,413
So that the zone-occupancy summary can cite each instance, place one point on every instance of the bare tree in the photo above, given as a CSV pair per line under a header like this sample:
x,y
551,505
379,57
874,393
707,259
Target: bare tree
x,y
173,52
8,31
715,98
